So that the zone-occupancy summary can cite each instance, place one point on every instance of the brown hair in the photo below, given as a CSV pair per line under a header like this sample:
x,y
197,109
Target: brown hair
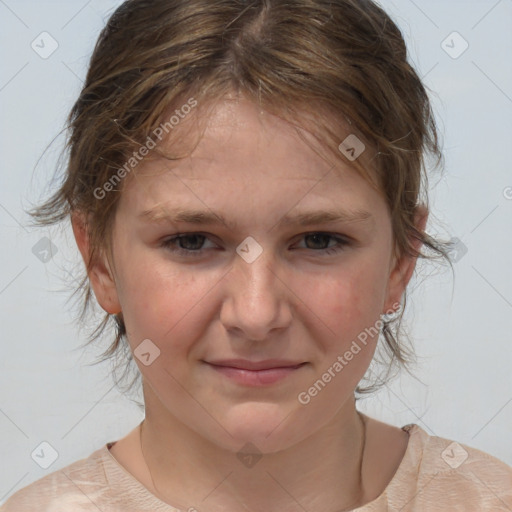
x,y
323,65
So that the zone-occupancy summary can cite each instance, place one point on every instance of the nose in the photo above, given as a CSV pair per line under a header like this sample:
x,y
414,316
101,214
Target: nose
x,y
257,299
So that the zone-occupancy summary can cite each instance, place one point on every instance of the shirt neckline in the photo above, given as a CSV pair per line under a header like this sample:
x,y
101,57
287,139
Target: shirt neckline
x,y
129,485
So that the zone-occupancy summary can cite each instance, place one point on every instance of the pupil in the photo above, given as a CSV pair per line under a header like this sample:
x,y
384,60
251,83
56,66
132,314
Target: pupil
x,y
316,238
192,237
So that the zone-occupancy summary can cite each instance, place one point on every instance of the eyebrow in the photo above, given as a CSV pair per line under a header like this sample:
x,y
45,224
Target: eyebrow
x,y
209,218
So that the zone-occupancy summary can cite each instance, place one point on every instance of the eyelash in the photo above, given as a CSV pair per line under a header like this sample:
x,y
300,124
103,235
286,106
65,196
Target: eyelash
x,y
169,244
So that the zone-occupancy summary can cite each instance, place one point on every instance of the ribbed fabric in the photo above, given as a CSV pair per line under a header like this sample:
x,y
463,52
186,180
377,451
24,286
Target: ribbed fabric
x,y
434,475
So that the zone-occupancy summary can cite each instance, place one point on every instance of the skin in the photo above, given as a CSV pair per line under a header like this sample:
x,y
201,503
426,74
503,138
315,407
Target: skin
x,y
294,302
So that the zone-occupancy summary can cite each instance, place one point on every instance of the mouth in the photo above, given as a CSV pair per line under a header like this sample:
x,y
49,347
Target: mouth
x,y
255,373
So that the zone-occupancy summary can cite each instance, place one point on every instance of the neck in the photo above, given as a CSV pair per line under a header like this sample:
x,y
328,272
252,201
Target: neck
x,y
322,472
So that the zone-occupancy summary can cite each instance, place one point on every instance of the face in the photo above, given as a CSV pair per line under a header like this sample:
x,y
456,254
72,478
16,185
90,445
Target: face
x,y
243,316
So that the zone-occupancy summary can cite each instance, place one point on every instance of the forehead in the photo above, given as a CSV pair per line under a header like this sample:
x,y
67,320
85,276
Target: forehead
x,y
242,150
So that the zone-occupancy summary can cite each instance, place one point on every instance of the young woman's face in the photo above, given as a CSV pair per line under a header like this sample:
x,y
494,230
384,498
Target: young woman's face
x,y
260,290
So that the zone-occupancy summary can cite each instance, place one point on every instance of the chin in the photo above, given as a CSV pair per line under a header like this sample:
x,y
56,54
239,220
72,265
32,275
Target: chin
x,y
268,426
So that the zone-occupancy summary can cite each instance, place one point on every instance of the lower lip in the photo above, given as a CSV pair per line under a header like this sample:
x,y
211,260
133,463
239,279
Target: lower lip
x,y
256,377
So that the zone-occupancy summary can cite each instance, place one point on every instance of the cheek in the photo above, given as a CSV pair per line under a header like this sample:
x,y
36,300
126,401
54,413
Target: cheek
x,y
349,303
347,299
161,304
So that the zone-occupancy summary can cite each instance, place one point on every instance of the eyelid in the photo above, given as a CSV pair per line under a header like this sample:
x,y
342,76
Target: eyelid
x,y
174,238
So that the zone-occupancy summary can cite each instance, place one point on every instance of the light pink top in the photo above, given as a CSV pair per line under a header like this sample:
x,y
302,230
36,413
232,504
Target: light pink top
x,y
435,475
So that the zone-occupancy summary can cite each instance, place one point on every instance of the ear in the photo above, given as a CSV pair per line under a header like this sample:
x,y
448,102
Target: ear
x,y
403,267
99,271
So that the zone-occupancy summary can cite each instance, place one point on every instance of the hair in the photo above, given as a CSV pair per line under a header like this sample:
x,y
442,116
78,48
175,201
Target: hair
x,y
321,65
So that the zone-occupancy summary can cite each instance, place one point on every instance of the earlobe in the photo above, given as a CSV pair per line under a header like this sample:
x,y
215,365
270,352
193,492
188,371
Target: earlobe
x,y
404,266
100,274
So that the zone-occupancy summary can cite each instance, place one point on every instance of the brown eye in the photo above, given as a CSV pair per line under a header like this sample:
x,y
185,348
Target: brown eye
x,y
318,239
320,242
191,242
186,244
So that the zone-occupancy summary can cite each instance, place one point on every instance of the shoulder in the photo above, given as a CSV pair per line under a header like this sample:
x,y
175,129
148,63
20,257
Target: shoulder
x,y
444,473
75,487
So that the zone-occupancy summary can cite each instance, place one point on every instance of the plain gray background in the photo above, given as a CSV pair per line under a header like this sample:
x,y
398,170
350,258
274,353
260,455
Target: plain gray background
x,y
461,327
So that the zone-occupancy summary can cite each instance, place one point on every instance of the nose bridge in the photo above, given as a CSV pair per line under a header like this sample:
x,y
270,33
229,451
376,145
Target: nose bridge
x,y
256,300
256,278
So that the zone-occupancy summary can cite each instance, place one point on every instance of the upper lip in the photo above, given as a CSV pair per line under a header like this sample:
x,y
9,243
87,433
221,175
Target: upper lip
x,y
245,364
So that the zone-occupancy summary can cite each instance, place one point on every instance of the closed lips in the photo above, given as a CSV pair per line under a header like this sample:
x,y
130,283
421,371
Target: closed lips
x,y
254,365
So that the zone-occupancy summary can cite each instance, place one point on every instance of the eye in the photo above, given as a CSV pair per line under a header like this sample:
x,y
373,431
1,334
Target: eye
x,y
191,244
188,244
322,239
